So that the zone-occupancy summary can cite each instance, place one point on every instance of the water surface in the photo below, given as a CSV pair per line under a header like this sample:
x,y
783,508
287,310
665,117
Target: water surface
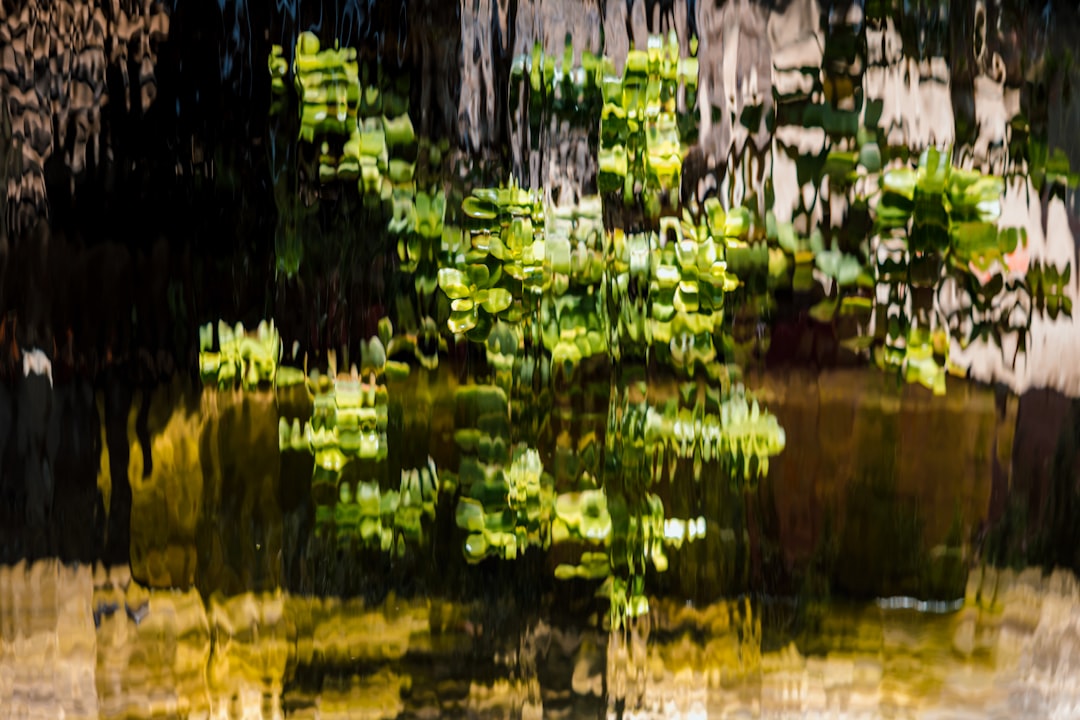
x,y
518,359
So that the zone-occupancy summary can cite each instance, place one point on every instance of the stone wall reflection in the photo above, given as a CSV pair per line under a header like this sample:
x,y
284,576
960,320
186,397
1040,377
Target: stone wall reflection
x,y
60,63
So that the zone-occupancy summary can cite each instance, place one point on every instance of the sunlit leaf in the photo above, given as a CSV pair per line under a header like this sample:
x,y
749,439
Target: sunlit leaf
x,y
498,299
479,209
901,182
737,223
453,283
462,321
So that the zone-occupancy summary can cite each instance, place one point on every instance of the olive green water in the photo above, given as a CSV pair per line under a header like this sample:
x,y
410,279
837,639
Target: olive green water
x,y
571,360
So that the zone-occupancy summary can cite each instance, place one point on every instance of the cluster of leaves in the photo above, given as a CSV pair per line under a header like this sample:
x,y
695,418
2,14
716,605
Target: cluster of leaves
x,y
947,219
517,256
1045,167
573,328
930,222
390,519
730,428
639,537
576,95
505,498
348,428
348,422
584,519
571,318
360,119
641,148
1047,283
243,359
945,208
575,245
327,81
421,237
553,84
667,289
498,257
506,503
349,413
514,256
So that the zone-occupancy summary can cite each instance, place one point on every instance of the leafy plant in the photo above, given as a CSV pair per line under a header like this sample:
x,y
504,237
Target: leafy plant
x,y
471,291
732,429
243,359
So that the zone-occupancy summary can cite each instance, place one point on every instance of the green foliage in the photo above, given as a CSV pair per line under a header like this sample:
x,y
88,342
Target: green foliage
x,y
390,519
471,291
505,498
840,266
506,225
573,328
685,269
243,359
348,422
731,429
641,149
365,135
327,81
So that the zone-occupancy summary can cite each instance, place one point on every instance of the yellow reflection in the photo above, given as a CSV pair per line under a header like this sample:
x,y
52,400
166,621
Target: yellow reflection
x,y
167,502
77,642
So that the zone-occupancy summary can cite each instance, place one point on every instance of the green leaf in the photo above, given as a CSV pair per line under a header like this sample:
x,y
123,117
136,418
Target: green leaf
x,y
737,223
715,213
840,122
401,171
1010,238
785,237
498,299
453,283
856,305
824,311
971,238
462,320
858,343
839,266
479,209
399,130
901,182
839,164
933,173
870,157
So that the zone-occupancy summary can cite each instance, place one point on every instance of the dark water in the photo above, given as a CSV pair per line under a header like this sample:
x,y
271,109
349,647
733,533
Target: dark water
x,y
568,359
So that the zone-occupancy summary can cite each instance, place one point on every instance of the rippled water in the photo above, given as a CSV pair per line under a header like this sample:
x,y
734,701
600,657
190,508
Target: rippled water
x,y
565,359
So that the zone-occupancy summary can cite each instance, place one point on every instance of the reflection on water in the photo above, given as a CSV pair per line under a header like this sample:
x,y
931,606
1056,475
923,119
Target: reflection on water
x,y
633,359
265,582
97,644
